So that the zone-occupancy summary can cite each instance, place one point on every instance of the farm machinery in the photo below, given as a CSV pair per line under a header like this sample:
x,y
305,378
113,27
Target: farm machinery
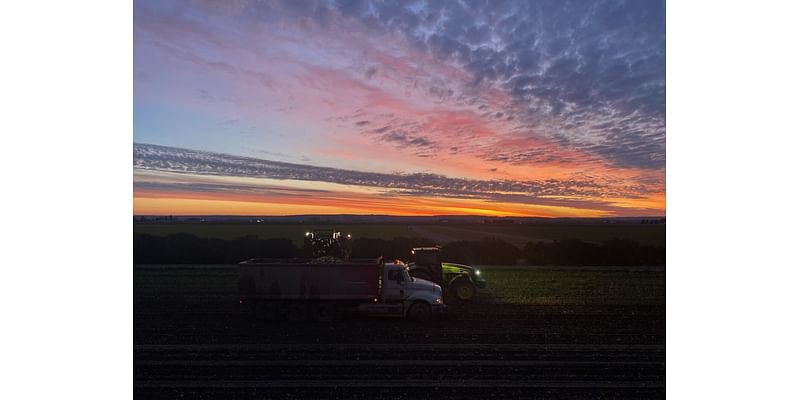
x,y
458,280
327,243
331,283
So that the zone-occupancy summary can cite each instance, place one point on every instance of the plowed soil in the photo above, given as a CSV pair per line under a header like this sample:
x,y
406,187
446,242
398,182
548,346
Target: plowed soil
x,y
192,339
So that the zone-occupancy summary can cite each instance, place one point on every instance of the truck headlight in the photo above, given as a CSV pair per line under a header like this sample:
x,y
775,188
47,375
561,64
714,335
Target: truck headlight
x,y
438,301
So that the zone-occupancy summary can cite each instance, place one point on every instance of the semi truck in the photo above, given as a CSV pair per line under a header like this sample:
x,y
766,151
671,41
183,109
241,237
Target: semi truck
x,y
458,280
321,289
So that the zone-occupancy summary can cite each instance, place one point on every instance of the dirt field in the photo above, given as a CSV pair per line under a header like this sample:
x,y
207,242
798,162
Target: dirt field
x,y
193,340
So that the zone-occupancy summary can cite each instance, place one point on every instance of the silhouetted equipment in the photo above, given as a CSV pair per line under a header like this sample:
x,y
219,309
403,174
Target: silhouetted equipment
x,y
327,243
301,288
457,280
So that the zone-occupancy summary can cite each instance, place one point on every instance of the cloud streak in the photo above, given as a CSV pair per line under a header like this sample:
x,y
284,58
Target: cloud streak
x,y
550,192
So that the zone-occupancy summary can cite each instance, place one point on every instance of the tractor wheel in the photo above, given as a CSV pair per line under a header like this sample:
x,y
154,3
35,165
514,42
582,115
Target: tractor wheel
x,y
420,312
325,312
297,312
462,289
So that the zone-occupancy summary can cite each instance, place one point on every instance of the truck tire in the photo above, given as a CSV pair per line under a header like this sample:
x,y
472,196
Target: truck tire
x,y
462,289
297,312
419,312
324,312
266,310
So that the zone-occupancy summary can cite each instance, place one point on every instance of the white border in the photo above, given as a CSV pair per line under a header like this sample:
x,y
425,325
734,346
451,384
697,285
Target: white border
x,y
66,285
732,84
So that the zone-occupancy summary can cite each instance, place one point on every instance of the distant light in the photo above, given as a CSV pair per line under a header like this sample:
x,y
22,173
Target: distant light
x,y
349,236
308,233
477,272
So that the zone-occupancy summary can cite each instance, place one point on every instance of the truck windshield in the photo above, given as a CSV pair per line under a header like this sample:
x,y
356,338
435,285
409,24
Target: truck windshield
x,y
396,275
407,277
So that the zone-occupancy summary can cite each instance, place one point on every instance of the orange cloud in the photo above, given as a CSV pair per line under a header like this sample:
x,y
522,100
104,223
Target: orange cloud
x,y
148,202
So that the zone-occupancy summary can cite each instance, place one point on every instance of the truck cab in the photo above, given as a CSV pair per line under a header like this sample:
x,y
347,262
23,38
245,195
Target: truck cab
x,y
459,281
405,296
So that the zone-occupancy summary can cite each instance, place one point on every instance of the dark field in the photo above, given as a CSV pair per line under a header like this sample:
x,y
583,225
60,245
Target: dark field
x,y
517,234
294,232
531,333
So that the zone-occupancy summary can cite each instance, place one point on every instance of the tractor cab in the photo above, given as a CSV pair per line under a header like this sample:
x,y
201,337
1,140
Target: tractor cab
x,y
459,281
427,264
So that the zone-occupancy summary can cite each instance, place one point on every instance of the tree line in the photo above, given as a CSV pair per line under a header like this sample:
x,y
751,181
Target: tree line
x,y
183,248
189,249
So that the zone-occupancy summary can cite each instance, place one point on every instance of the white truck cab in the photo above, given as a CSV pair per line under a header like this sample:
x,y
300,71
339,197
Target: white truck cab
x,y
403,295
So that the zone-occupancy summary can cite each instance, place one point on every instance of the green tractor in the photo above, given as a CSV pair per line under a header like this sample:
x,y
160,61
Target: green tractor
x,y
458,281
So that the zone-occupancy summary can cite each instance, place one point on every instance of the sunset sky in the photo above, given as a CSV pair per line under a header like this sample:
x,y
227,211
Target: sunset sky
x,y
507,108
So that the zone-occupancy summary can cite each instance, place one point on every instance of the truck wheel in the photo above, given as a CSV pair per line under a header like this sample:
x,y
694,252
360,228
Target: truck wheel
x,y
419,312
266,310
297,312
463,289
325,312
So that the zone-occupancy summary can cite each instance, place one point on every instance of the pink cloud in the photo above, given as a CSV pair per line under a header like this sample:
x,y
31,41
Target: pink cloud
x,y
318,80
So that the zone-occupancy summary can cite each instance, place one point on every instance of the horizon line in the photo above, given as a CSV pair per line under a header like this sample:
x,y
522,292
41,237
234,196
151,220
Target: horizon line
x,y
388,216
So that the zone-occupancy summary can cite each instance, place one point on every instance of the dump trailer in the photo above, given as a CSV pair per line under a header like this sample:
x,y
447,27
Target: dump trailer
x,y
324,288
459,281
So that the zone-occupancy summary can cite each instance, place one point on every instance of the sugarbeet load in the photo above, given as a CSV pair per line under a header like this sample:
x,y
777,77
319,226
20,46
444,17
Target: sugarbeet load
x,y
324,288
